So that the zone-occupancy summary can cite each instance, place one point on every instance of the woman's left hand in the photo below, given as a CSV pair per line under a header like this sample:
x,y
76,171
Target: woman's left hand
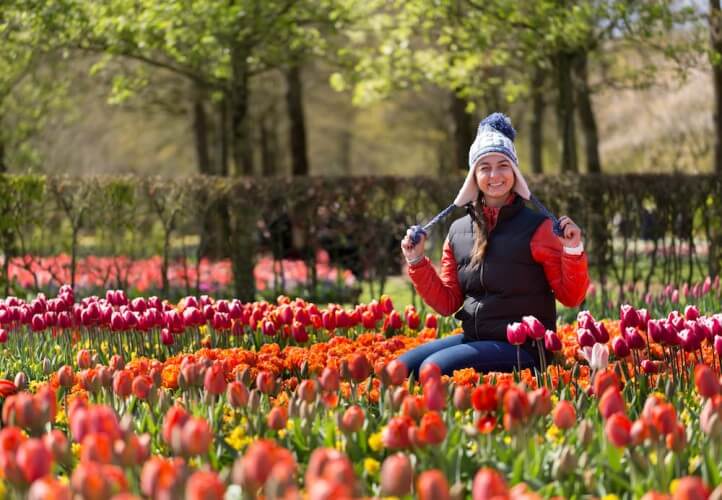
x,y
572,234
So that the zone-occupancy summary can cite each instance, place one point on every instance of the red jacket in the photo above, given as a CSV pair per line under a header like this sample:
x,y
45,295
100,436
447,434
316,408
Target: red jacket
x,y
567,274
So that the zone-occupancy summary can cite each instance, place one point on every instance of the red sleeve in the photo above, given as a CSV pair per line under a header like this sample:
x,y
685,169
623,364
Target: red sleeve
x,y
441,293
567,274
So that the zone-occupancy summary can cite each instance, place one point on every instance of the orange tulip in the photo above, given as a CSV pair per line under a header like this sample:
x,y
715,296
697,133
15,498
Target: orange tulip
x,y
88,481
396,433
706,381
237,395
96,447
432,428
564,415
204,485
489,484
484,398
611,403
123,383
277,418
352,419
603,380
214,380
432,485
34,459
397,475
618,429
48,488
142,384
196,436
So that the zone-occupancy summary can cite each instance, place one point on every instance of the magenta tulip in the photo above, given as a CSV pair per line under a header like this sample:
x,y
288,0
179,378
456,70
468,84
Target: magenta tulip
x,y
535,327
516,333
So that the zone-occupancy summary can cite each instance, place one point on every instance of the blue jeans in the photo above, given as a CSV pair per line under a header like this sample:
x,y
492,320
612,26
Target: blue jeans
x,y
454,353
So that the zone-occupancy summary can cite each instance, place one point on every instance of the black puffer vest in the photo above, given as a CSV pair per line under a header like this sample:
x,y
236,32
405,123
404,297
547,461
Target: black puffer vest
x,y
508,284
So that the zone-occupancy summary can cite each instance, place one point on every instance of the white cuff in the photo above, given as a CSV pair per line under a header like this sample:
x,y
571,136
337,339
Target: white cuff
x,y
577,250
415,261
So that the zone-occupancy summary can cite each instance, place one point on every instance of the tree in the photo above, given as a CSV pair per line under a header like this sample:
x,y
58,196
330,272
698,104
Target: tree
x,y
715,29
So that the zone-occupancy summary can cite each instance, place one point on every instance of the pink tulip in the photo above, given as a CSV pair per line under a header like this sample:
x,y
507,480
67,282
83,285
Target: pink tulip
x,y
601,333
691,313
688,340
299,332
166,337
552,342
643,319
535,327
628,316
620,347
37,323
585,337
516,333
655,331
718,345
634,338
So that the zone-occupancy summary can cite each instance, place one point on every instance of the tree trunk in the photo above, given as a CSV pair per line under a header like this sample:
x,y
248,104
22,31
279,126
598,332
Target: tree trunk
x,y
297,129
536,132
565,113
586,114
269,145
462,132
715,20
240,140
200,133
345,142
223,147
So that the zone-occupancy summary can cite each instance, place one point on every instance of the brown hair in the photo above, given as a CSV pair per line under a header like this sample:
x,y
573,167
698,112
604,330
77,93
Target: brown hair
x,y
481,234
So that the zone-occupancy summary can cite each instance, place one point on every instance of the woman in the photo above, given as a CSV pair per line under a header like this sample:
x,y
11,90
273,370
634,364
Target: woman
x,y
500,262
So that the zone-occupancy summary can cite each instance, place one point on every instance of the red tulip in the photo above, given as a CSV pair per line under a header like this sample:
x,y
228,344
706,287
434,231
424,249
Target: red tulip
x,y
277,418
634,338
413,320
434,395
649,367
3,336
397,475
585,337
396,433
462,397
618,429
611,403
66,378
352,419
677,439
330,379
628,316
47,488
432,485
397,372
83,359
431,321
204,485
214,381
34,459
265,382
706,381
489,484
237,395
432,428
484,398
691,488
166,337
142,384
123,383
387,305
564,415
359,367
196,436
429,371
96,447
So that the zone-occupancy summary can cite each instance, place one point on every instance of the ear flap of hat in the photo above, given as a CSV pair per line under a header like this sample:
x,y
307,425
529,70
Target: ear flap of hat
x,y
520,185
468,192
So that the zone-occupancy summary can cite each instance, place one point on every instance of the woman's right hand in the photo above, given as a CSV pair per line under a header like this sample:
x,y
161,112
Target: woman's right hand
x,y
412,252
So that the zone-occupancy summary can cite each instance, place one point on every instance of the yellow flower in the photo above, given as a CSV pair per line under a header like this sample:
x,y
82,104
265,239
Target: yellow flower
x,y
61,417
611,496
694,463
290,424
237,439
371,466
554,434
457,415
555,400
673,486
473,447
282,433
375,442
653,457
686,417
33,385
75,449
203,329
2,489
339,445
63,479
507,439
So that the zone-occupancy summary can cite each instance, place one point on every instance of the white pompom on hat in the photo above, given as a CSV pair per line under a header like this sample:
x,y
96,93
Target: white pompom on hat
x,y
494,135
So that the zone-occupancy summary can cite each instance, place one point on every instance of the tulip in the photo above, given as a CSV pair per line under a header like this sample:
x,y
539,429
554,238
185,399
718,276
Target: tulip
x,y
552,342
397,475
166,337
268,328
328,319
330,379
516,333
618,430
649,367
48,488
484,398
628,317
585,338
204,485
620,347
690,487
33,459
431,321
536,329
429,371
214,381
142,384
265,382
307,391
196,436
359,367
396,433
434,395
83,359
516,404
66,378
396,371
664,418
564,415
386,304
688,340
655,331
710,419
412,406
432,428
277,418
462,397
597,356
691,313
123,383
237,395
37,323
352,419
3,336
432,485
488,484
677,439
600,332
634,338
718,345
611,403
298,330
706,381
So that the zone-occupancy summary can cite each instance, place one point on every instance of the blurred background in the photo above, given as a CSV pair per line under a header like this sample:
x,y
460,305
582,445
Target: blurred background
x,y
616,103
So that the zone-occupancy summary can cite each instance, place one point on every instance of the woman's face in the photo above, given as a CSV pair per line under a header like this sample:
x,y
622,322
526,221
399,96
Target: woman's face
x,y
495,176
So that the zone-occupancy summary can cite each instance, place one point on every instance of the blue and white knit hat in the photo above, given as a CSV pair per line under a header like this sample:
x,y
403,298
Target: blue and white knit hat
x,y
494,135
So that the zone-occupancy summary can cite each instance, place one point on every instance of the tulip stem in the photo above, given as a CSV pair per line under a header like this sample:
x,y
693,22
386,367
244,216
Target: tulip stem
x,y
518,358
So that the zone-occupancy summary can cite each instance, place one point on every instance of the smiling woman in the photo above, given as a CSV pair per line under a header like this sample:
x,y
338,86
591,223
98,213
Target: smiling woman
x,y
500,263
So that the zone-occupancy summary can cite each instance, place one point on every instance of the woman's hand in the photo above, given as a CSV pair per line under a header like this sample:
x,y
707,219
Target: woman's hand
x,y
572,235
412,252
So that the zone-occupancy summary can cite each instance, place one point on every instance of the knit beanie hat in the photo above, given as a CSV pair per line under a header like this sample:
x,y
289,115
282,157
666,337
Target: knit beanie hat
x,y
494,135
